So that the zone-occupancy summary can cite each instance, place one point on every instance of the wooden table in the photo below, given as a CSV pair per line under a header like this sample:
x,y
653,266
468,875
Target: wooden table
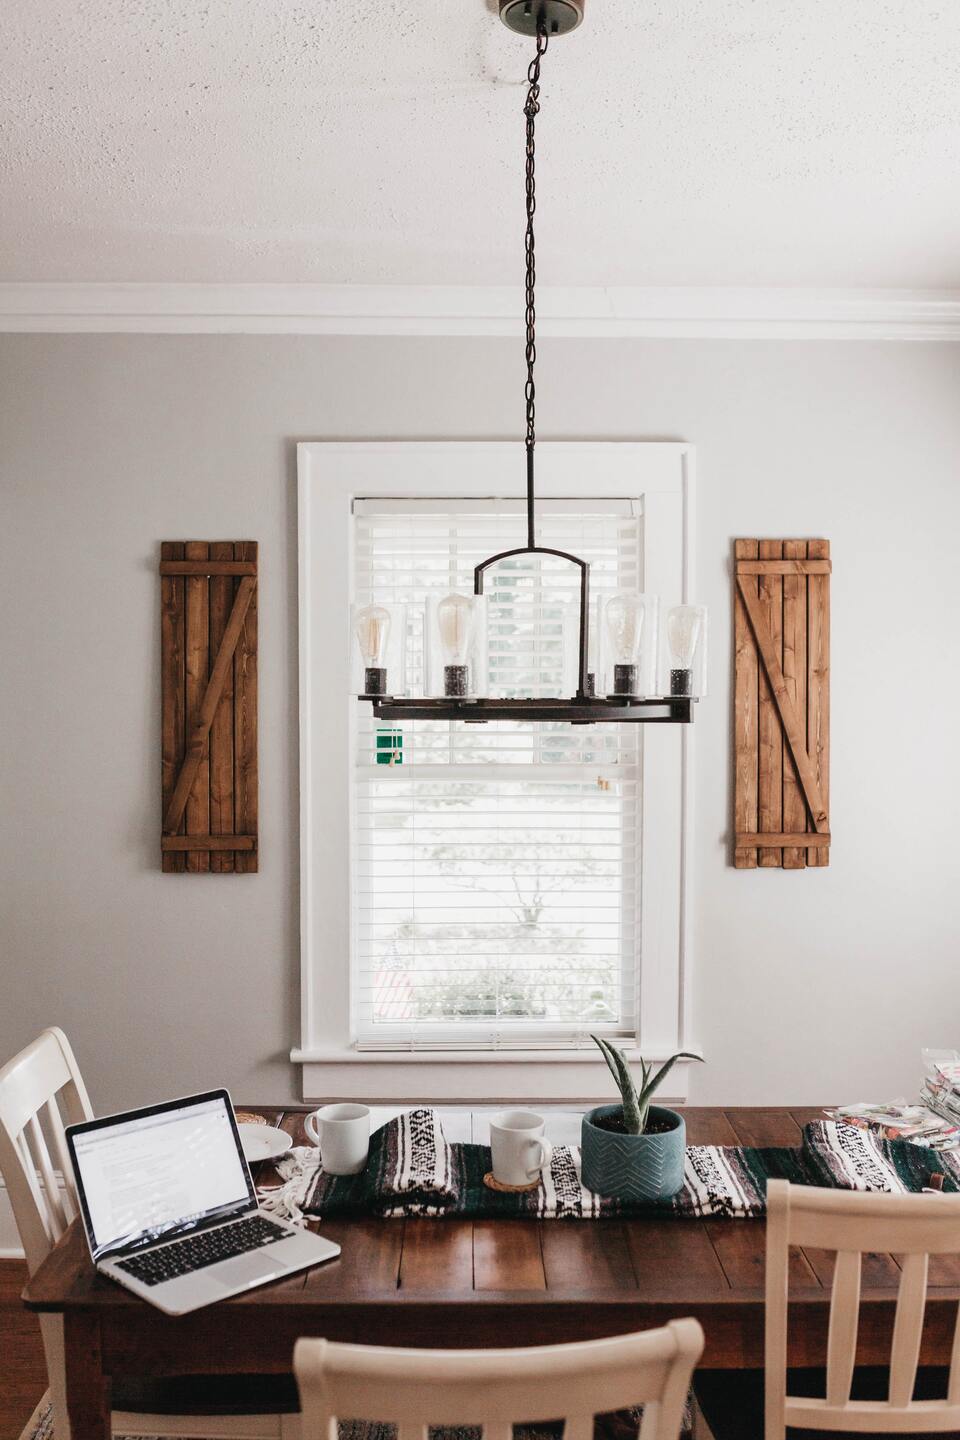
x,y
483,1283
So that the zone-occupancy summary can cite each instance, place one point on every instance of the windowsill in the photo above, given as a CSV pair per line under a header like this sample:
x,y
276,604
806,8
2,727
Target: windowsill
x,y
474,1077
333,1055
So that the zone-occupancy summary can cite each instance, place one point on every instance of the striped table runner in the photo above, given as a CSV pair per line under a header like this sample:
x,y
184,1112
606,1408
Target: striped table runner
x,y
413,1170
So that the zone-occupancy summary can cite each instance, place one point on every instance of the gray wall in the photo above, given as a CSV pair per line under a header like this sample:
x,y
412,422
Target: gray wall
x,y
809,986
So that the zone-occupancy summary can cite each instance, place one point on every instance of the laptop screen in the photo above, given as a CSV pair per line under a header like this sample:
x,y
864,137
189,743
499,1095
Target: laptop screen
x,y
154,1171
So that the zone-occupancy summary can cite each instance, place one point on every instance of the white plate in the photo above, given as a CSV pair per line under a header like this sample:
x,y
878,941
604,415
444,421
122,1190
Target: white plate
x,y
263,1142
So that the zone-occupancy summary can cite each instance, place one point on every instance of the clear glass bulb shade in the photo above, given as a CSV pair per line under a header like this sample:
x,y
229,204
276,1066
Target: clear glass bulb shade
x,y
684,627
623,618
372,629
455,622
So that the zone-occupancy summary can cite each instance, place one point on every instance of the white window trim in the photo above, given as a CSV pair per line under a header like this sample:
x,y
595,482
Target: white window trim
x,y
331,475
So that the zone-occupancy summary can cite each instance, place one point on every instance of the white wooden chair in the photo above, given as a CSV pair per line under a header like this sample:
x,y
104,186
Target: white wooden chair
x,y
496,1389
852,1223
41,1090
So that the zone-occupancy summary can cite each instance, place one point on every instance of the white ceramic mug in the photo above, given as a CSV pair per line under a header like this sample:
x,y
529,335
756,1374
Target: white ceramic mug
x,y
518,1147
343,1134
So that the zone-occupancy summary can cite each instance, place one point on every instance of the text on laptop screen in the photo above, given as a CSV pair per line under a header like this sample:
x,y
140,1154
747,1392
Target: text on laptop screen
x,y
141,1177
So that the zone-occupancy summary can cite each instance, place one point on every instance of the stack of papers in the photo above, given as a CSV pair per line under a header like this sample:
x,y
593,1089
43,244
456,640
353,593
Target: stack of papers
x,y
941,1090
934,1122
921,1124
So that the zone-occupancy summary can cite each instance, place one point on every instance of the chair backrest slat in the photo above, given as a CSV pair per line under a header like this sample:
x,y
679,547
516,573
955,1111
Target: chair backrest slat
x,y
494,1430
62,1157
649,1425
26,1184
905,1354
497,1389
412,1432
852,1223
34,1086
41,1158
775,1305
953,1385
844,1323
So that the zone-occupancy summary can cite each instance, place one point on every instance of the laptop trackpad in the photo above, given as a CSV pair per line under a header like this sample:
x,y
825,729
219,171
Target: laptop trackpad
x,y
245,1270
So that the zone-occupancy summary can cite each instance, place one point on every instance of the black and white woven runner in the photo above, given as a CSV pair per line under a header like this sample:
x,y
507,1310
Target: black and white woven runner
x,y
414,1170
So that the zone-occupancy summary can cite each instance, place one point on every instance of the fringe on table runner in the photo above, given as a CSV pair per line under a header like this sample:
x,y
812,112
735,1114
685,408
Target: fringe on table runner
x,y
298,1171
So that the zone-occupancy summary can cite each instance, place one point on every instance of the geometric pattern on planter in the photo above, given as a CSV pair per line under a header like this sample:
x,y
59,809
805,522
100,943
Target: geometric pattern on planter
x,y
633,1167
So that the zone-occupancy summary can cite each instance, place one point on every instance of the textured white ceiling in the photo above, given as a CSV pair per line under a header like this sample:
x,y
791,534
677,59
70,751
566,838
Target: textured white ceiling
x,y
682,142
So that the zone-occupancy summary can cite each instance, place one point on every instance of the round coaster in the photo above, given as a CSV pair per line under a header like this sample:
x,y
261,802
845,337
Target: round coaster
x,y
492,1183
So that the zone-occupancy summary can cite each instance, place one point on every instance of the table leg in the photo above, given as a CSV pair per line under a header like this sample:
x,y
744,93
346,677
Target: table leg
x,y
88,1389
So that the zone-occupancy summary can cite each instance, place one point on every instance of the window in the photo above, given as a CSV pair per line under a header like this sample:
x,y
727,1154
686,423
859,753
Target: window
x,y
472,910
495,868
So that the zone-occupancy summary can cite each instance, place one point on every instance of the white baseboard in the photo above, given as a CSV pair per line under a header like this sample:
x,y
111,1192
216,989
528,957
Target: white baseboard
x,y
10,1247
9,1252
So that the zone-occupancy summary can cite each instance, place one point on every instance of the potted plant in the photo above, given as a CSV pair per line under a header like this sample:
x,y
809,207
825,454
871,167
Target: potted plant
x,y
634,1150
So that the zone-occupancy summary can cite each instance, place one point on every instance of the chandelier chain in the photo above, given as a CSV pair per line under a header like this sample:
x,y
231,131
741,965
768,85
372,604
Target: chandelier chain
x,y
530,110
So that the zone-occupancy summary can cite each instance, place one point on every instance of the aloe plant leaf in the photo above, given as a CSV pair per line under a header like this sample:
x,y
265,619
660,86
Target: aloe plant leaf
x,y
607,1051
628,1094
620,1070
613,1062
632,1112
651,1086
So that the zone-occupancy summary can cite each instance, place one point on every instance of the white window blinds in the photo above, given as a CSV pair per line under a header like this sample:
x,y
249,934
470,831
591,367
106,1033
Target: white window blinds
x,y
495,868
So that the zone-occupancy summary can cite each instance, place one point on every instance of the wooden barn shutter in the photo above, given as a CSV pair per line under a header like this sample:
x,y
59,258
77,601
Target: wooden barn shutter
x,y
782,703
208,645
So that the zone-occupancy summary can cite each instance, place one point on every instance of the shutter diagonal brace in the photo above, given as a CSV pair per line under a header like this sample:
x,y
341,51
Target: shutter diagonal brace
x,y
789,719
200,734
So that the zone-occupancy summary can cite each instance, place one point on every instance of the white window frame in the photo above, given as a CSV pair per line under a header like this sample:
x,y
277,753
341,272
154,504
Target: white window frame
x,y
331,476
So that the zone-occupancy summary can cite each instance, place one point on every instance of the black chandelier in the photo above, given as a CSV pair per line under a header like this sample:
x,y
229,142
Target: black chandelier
x,y
627,615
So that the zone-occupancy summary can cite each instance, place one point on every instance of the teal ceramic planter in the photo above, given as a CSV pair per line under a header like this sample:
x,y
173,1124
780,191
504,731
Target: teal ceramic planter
x,y
633,1167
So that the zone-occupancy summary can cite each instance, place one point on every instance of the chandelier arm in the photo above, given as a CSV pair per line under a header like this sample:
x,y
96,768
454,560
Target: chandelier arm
x,y
583,689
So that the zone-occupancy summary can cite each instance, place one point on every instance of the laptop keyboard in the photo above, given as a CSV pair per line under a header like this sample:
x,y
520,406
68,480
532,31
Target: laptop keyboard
x,y
198,1251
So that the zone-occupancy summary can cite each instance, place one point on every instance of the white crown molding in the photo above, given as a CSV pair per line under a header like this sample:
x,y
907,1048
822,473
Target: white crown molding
x,y
716,313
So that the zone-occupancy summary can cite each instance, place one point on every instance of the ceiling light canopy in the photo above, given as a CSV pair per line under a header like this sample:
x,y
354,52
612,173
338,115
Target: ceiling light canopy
x,y
629,632
554,17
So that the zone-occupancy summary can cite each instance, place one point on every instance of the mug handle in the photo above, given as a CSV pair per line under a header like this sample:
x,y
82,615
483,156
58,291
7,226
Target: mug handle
x,y
310,1125
546,1155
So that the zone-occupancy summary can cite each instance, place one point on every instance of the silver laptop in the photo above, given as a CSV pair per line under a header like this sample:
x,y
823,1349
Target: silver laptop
x,y
170,1210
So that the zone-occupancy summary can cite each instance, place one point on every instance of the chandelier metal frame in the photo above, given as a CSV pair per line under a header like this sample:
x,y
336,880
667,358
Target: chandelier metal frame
x,y
541,18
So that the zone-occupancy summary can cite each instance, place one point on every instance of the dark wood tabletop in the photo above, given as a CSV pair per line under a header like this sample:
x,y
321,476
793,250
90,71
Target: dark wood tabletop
x,y
447,1282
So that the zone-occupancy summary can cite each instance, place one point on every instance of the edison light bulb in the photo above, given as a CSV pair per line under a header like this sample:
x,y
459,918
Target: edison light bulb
x,y
372,625
624,622
455,621
684,628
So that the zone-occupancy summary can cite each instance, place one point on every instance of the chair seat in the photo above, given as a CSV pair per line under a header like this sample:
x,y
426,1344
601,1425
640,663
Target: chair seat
x,y
732,1400
208,1395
